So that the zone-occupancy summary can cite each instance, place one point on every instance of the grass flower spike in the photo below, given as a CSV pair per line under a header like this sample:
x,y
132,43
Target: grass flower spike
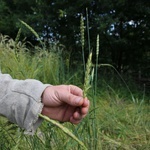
x,y
88,75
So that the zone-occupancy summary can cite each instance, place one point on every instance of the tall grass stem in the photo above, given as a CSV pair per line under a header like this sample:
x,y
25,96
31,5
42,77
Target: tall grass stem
x,y
88,32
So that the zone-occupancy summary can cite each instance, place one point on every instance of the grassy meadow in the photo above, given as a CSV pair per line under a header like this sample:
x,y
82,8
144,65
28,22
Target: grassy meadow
x,y
119,116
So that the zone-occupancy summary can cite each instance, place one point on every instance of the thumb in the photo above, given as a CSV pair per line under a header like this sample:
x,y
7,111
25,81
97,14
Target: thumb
x,y
73,100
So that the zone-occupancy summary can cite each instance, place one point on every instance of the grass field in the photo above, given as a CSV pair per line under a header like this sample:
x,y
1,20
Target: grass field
x,y
118,118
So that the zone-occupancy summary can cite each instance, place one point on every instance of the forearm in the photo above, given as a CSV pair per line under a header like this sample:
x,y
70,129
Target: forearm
x,y
20,101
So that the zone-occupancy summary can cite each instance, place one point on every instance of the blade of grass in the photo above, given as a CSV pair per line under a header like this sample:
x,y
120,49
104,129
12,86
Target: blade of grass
x,y
108,65
64,129
32,30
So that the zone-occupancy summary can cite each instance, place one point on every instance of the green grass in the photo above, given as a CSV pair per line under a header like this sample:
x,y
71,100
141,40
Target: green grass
x,y
114,120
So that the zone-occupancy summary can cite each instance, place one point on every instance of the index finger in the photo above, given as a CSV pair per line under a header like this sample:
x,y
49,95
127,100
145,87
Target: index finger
x,y
75,90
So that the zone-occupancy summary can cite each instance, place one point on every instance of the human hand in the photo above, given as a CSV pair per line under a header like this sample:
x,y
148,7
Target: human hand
x,y
65,103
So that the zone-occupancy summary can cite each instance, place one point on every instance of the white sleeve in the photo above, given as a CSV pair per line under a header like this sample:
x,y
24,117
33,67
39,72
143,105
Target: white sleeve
x,y
20,101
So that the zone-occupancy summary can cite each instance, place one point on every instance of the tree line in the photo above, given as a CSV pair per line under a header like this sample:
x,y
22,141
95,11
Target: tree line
x,y
123,27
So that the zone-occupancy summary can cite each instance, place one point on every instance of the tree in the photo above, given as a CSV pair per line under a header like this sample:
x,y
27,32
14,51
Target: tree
x,y
123,26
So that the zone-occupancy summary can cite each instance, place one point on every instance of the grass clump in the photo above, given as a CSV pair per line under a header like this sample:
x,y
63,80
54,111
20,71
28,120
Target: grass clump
x,y
45,65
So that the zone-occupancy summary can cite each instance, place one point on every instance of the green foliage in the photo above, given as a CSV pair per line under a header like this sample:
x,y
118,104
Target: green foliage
x,y
122,25
113,122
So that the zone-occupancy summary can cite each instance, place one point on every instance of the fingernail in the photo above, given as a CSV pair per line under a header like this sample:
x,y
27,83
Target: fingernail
x,y
78,100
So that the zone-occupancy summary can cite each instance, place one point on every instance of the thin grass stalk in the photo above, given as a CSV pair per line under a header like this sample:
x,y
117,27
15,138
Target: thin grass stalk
x,y
32,30
88,32
18,36
108,65
95,94
82,39
96,72
64,129
87,85
40,139
143,94
96,67
16,42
